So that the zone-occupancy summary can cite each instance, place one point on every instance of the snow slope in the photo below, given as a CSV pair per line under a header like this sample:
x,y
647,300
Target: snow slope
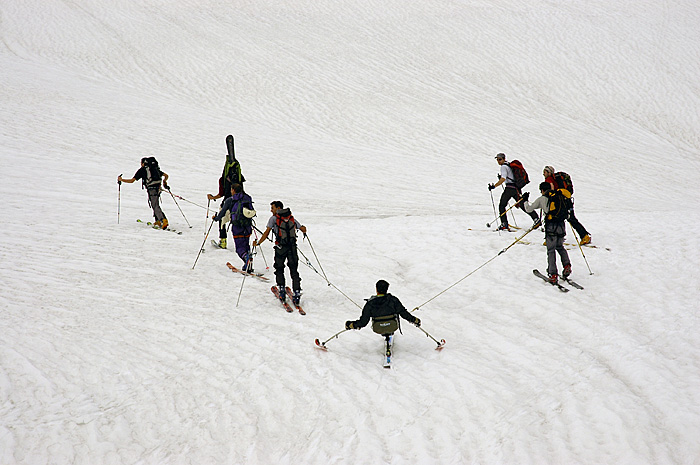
x,y
377,123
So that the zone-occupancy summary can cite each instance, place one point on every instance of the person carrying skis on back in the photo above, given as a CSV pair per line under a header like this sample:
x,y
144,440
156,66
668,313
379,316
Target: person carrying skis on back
x,y
230,175
511,191
239,207
383,309
151,177
555,208
559,181
284,227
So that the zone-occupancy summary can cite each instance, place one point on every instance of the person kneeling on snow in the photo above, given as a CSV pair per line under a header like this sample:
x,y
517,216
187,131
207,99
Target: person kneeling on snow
x,y
384,310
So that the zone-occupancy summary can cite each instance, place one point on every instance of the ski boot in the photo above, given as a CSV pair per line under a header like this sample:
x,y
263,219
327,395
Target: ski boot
x,y
567,271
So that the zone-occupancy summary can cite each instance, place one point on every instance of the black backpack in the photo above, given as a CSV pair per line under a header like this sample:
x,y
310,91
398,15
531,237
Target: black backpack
x,y
519,173
238,218
559,203
563,181
153,173
286,227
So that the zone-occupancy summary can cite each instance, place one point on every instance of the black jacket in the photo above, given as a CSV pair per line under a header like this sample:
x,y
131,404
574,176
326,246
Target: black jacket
x,y
382,305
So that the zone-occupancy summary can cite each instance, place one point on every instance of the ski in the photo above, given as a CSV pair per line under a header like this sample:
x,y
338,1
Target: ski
x,y
389,344
441,345
321,345
254,275
290,294
283,302
231,149
546,279
572,283
169,229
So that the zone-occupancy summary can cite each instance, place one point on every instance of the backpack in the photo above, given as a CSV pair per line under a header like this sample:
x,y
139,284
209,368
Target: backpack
x,y
519,173
239,217
153,173
385,324
286,227
563,181
559,204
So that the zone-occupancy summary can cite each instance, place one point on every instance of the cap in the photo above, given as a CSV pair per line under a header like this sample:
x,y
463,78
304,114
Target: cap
x,y
549,168
500,155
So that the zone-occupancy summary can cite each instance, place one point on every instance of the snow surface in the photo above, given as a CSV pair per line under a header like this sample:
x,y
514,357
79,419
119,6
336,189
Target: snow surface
x,y
377,123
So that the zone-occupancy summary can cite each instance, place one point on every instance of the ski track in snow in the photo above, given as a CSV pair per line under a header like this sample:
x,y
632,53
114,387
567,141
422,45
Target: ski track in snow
x,y
377,124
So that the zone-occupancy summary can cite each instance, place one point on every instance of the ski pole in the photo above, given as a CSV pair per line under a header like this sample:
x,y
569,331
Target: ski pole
x,y
119,198
247,267
439,343
206,218
475,270
267,267
202,247
322,345
488,225
189,201
580,248
316,256
178,207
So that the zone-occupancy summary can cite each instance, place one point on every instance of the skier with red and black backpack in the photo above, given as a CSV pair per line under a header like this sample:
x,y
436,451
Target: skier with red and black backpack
x,y
515,177
561,180
284,227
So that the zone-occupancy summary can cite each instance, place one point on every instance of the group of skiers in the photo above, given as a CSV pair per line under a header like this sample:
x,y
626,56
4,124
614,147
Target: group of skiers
x,y
555,202
236,212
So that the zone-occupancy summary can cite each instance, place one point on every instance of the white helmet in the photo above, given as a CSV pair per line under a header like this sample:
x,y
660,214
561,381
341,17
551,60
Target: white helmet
x,y
248,213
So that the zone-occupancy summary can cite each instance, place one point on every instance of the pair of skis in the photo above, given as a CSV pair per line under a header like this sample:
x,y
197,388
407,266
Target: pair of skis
x,y
558,285
148,223
284,303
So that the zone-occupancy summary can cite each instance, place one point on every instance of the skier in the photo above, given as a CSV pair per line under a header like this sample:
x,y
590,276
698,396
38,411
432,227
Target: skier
x,y
511,191
239,207
384,310
555,208
549,176
231,174
151,177
284,226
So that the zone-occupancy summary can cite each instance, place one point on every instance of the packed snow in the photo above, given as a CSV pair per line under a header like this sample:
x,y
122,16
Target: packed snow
x,y
377,123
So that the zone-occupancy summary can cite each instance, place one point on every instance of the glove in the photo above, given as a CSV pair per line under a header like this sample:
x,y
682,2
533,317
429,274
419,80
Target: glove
x,y
165,186
349,325
417,322
526,196
491,187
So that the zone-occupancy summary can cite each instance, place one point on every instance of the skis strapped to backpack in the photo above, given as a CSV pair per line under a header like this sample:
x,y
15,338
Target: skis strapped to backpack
x,y
519,173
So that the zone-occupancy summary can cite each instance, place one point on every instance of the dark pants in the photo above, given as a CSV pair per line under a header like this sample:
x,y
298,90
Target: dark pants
x,y
154,202
580,230
287,253
512,192
554,235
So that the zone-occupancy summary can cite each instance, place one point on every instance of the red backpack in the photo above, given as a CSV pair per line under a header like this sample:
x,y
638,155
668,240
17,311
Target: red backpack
x,y
519,173
286,227
563,181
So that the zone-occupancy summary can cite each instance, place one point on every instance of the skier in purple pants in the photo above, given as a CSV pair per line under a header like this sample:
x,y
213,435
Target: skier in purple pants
x,y
240,207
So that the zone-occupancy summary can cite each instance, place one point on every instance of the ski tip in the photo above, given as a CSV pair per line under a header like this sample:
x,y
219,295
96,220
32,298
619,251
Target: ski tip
x,y
441,345
320,345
